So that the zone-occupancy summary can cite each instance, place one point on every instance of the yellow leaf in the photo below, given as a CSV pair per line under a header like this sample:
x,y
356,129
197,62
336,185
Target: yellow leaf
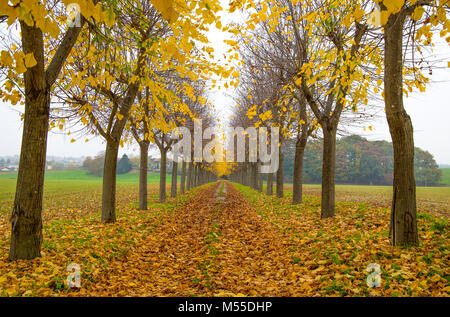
x,y
417,14
393,6
20,66
406,277
166,8
435,278
359,13
109,17
30,61
5,58
4,7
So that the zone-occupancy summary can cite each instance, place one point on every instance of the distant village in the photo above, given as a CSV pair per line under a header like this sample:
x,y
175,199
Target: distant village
x,y
11,163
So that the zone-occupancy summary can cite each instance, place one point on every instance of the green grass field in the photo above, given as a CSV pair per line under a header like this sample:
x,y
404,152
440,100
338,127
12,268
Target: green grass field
x,y
72,180
434,200
71,184
58,179
81,175
445,176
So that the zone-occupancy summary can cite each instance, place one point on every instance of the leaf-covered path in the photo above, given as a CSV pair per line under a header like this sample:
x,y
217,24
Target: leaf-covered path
x,y
226,239
252,258
214,245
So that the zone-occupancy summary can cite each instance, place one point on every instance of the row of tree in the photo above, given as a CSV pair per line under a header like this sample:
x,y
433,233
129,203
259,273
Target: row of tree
x,y
94,165
123,70
314,66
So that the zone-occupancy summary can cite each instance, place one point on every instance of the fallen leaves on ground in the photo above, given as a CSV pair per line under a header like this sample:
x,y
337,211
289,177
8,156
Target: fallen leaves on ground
x,y
331,255
73,236
225,239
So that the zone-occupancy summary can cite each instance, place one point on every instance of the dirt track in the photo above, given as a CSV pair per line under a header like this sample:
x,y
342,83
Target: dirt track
x,y
214,245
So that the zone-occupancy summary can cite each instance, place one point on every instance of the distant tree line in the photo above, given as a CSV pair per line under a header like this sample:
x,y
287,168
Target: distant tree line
x,y
95,165
359,161
4,162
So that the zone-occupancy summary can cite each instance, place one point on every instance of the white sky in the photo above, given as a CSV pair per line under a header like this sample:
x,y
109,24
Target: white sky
x,y
430,113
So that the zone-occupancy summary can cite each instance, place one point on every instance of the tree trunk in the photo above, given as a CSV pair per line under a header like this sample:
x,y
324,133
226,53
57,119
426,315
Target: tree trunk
x,y
183,177
162,176
298,170
256,176
143,176
328,170
404,210
260,180
269,189
173,186
246,174
280,176
253,176
195,176
189,176
26,218
109,181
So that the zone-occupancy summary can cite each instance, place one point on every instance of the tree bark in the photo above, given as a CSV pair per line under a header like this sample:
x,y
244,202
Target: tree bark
x,y
328,170
269,189
189,176
260,180
143,168
173,186
195,177
280,176
253,176
162,175
246,174
109,181
298,170
26,217
256,175
404,210
183,177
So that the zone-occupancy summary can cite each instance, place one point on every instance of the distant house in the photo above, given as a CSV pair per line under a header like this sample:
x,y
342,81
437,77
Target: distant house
x,y
157,162
151,164
11,168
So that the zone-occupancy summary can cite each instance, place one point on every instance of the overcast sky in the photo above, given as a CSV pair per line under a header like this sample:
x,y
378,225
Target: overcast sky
x,y
430,113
